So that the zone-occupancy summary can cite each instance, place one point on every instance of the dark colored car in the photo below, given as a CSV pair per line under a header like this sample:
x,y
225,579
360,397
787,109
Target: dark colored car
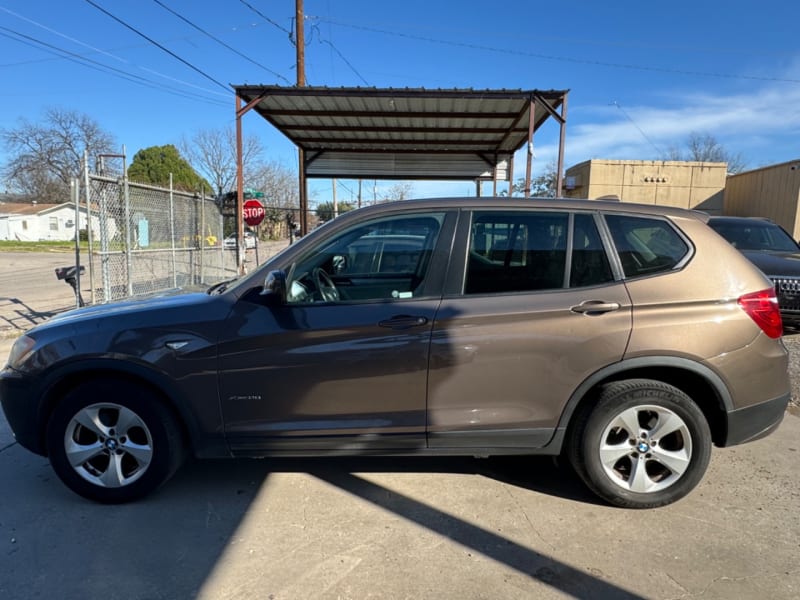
x,y
629,338
769,247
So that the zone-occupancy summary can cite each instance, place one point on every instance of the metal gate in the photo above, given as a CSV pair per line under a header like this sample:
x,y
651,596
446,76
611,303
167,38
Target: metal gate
x,y
145,239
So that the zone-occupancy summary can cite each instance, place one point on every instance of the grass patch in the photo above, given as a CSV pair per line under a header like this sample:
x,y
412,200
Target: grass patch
x,y
15,246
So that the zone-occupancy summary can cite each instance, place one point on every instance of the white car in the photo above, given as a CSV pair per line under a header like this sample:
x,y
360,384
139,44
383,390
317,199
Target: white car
x,y
230,242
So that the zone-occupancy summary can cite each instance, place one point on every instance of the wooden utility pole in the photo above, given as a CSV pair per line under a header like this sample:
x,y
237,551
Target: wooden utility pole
x,y
300,43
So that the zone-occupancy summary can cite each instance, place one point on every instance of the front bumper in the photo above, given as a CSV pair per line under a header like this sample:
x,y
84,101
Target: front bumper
x,y
755,421
20,405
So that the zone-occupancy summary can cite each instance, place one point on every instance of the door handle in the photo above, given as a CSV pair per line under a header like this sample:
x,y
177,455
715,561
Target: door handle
x,y
594,307
403,322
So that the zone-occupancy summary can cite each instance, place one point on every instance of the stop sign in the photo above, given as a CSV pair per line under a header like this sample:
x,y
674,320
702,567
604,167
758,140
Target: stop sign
x,y
253,212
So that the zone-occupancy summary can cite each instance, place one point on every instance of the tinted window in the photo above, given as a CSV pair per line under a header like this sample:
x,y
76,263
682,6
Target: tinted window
x,y
755,235
644,245
590,264
383,259
516,251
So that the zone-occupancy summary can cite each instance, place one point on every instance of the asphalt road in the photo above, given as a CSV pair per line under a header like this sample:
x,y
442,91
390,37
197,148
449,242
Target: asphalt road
x,y
402,528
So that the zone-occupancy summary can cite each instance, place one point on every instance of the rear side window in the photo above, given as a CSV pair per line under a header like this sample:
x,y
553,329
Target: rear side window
x,y
516,251
590,264
646,246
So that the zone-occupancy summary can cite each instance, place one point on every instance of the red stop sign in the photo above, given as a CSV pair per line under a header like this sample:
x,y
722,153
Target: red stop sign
x,y
253,212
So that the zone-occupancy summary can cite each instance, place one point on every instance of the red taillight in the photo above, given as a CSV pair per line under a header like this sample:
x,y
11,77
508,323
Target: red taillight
x,y
763,309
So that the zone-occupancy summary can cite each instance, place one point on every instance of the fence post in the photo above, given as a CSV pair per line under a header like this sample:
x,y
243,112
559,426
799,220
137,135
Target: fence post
x,y
89,232
128,257
202,235
75,192
172,232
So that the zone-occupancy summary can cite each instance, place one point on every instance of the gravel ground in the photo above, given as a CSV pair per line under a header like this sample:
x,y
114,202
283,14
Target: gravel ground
x,y
792,342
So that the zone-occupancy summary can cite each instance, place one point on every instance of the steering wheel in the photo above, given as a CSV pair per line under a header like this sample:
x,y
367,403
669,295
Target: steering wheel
x,y
325,286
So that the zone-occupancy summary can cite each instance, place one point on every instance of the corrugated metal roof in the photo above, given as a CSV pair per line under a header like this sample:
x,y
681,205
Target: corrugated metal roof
x,y
403,133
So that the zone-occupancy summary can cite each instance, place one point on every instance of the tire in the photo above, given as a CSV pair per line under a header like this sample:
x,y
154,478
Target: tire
x,y
113,442
643,444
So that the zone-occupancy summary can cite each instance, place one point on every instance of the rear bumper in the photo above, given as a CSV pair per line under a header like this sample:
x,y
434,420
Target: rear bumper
x,y
756,421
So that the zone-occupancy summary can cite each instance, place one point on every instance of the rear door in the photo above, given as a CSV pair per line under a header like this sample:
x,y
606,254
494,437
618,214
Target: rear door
x,y
531,309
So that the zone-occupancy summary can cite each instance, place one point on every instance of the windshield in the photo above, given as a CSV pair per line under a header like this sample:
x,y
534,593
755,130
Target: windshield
x,y
758,235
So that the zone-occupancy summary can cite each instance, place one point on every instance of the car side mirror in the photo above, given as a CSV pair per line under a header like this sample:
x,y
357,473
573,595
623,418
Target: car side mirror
x,y
275,286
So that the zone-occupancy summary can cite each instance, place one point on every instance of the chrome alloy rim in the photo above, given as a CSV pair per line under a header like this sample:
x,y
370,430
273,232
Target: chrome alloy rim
x,y
646,449
108,445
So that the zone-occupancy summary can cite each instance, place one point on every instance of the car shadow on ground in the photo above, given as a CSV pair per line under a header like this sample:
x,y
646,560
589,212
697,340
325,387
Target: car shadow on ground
x,y
245,477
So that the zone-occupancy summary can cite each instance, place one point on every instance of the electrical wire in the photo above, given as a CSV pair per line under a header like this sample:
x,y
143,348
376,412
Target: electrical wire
x,y
83,57
644,135
267,19
220,42
314,27
97,66
553,57
155,43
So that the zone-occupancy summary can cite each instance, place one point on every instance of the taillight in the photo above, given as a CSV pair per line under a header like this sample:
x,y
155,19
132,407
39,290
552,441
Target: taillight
x,y
763,309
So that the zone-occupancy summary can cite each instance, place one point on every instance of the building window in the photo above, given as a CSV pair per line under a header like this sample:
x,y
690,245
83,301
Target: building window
x,y
24,226
53,223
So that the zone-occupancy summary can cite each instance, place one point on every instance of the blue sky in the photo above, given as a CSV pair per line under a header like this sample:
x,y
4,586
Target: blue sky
x,y
642,76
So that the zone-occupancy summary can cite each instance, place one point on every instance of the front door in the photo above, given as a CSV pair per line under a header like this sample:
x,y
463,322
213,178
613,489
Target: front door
x,y
342,365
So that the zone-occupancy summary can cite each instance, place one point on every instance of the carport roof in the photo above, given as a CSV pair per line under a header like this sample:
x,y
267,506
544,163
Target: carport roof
x,y
394,133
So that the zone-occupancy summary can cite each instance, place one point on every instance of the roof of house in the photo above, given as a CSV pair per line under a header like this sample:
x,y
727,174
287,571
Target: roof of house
x,y
24,208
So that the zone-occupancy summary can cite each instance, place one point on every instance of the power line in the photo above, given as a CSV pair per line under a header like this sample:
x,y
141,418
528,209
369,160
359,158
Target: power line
x,y
615,103
556,58
155,43
219,41
315,27
97,66
83,57
267,19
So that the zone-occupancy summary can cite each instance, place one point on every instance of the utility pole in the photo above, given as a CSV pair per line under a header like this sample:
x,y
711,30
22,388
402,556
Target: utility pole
x,y
300,43
335,203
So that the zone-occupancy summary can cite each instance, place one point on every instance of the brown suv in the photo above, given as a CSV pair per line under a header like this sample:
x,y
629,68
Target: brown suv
x,y
629,338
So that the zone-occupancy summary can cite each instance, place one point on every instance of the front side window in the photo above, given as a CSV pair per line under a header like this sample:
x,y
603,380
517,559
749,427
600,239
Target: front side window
x,y
645,245
384,259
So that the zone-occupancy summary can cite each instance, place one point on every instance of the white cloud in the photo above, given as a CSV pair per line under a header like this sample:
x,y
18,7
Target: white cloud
x,y
761,124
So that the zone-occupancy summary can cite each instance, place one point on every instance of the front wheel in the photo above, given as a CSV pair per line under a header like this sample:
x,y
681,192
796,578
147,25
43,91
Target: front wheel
x,y
643,444
113,442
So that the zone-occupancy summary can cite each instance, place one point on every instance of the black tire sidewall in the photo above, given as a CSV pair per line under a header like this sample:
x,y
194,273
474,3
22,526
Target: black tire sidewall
x,y
141,401
623,396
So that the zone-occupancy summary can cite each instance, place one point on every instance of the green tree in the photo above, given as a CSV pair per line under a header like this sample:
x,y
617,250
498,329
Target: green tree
x,y
543,186
153,165
325,209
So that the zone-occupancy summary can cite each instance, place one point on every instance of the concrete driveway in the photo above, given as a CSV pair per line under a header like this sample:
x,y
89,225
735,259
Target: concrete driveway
x,y
402,528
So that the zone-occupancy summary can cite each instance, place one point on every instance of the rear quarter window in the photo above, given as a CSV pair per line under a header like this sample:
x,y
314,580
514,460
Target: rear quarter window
x,y
646,246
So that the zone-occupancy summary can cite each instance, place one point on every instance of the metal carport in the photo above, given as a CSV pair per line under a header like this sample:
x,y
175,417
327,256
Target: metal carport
x,y
394,133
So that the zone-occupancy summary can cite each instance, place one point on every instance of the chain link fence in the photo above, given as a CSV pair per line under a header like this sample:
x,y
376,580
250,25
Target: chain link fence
x,y
144,239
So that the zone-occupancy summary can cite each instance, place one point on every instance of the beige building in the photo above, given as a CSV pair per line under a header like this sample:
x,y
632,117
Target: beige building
x,y
772,192
697,185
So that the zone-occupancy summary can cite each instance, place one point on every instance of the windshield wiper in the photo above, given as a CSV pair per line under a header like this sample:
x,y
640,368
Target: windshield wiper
x,y
220,286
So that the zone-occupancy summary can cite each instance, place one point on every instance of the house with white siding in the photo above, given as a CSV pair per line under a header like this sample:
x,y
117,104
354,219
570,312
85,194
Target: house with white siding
x,y
33,222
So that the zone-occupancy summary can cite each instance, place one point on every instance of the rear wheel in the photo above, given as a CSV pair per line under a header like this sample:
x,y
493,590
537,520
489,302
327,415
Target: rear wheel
x,y
643,444
113,442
